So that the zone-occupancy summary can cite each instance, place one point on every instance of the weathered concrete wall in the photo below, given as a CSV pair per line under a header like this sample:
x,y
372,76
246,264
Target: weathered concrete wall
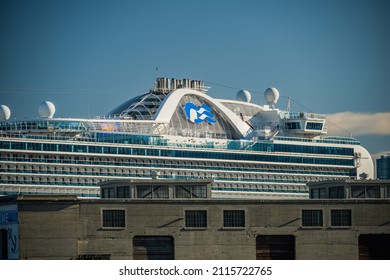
x,y
48,230
64,231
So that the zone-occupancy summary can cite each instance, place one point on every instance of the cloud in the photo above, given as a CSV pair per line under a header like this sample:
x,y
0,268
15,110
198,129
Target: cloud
x,y
358,123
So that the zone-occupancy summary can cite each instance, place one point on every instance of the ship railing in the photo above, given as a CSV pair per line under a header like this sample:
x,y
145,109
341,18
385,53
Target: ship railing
x,y
111,138
53,125
108,164
330,140
301,115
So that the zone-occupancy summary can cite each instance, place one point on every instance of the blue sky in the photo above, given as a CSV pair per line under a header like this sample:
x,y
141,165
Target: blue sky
x,y
89,56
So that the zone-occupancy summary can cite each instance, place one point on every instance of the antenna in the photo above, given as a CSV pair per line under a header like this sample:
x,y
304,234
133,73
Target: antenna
x,y
155,81
288,104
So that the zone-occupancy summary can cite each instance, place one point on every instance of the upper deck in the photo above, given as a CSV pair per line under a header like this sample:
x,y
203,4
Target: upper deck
x,y
180,111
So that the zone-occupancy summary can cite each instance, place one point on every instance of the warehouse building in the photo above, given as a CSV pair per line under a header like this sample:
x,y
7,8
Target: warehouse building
x,y
174,219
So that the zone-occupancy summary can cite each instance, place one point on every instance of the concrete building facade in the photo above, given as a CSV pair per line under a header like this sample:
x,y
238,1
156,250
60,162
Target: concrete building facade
x,y
66,227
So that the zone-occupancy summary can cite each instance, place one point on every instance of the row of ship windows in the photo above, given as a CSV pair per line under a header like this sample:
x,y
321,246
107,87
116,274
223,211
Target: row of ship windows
x,y
72,170
50,180
220,182
94,181
231,145
170,164
127,172
80,191
226,155
309,125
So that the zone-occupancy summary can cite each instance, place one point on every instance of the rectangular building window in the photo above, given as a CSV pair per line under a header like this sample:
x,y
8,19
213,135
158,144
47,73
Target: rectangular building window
x,y
318,193
336,192
388,191
152,192
196,218
365,192
113,218
123,192
234,218
340,218
108,193
358,192
190,191
312,218
373,192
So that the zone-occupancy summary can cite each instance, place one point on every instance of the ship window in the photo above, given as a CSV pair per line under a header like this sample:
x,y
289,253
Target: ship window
x,y
312,218
113,218
314,126
340,218
293,125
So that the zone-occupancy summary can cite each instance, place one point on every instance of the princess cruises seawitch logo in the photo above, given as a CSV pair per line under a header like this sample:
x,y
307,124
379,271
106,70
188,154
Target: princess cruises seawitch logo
x,y
199,114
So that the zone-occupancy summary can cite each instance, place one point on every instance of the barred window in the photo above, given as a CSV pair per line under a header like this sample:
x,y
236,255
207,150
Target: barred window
x,y
113,218
234,218
312,218
341,218
196,218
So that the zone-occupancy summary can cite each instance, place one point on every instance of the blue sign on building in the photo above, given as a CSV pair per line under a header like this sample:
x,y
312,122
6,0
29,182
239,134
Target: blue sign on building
x,y
199,114
8,217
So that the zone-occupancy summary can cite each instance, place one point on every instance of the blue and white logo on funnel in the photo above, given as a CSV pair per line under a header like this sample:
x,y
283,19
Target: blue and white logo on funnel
x,y
199,114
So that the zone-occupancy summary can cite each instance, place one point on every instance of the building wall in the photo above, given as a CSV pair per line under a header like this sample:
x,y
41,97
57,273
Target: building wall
x,y
383,167
48,230
65,230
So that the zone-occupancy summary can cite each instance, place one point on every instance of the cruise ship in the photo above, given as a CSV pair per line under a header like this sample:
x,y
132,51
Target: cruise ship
x,y
178,131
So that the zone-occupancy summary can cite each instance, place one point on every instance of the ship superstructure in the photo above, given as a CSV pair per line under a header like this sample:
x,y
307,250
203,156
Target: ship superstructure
x,y
177,131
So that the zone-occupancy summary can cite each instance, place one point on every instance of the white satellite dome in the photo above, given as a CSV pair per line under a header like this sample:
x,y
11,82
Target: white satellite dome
x,y
46,109
5,113
243,95
271,95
